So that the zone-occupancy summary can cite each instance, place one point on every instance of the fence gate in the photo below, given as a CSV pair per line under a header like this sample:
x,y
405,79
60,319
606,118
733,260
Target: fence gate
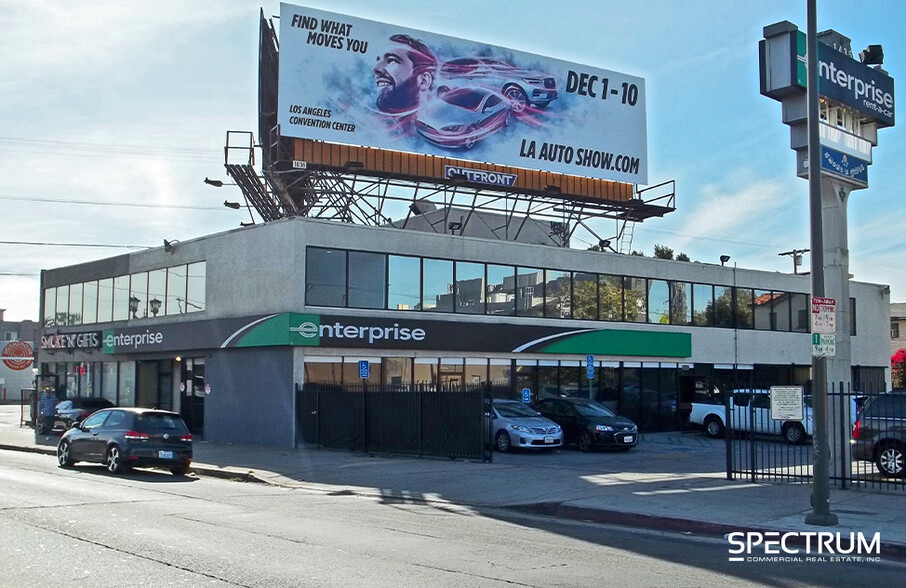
x,y
760,448
385,419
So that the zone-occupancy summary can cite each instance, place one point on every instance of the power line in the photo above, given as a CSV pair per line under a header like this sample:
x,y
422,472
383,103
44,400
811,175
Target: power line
x,y
127,204
42,244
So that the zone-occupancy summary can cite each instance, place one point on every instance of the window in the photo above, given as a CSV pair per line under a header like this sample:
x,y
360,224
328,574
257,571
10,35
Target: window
x,y
723,306
367,277
610,294
501,296
703,302
63,306
75,304
761,310
325,277
120,298
895,331
529,291
658,302
585,296
635,300
157,290
176,290
852,317
743,308
404,282
469,287
195,287
680,303
90,303
105,300
50,307
782,304
800,313
437,284
556,294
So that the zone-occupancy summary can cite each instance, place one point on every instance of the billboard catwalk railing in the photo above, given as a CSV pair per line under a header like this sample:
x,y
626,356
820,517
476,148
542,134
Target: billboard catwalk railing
x,y
425,421
866,438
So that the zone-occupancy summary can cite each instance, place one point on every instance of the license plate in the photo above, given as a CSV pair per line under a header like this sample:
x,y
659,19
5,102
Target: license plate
x,y
628,439
165,454
548,439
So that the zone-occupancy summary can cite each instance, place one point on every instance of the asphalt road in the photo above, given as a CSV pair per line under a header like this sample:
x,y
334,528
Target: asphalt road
x,y
85,527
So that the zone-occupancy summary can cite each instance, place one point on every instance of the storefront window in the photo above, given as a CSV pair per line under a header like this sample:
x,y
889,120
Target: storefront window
x,y
110,381
529,291
426,373
452,374
367,277
527,378
157,291
404,283
556,294
703,302
610,292
609,386
351,374
680,303
548,379
127,383
398,373
630,394
499,374
475,373
723,306
90,303
501,296
323,370
437,284
195,287
585,296
469,287
573,380
636,303
658,302
325,277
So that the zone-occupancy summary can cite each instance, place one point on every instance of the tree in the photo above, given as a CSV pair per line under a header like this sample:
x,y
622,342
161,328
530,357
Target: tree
x,y
682,257
898,369
663,252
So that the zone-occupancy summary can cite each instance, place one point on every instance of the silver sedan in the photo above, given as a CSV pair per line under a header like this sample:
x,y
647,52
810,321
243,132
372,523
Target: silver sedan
x,y
517,425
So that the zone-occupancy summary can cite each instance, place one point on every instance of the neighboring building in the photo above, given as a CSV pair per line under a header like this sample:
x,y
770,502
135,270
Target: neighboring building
x,y
17,346
897,326
224,328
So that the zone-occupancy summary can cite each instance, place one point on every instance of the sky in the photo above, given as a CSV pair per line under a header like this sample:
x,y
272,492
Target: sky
x,y
113,113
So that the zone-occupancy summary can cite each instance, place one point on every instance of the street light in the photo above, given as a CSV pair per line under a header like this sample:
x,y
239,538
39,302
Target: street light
x,y
155,305
724,259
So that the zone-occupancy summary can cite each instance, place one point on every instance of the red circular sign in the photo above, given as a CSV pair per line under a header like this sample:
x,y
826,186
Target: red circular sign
x,y
17,355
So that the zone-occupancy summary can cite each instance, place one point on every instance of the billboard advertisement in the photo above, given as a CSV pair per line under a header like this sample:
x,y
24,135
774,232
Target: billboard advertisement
x,y
349,80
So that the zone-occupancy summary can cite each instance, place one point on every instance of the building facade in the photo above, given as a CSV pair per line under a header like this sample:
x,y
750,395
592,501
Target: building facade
x,y
225,328
17,365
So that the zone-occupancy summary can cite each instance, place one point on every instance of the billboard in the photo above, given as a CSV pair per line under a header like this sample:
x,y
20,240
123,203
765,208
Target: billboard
x,y
349,80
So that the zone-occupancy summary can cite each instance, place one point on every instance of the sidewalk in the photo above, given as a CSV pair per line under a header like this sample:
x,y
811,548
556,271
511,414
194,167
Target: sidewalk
x,y
671,482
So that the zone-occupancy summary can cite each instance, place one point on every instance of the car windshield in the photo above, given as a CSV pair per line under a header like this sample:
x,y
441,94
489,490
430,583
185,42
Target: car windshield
x,y
467,99
514,410
160,422
593,409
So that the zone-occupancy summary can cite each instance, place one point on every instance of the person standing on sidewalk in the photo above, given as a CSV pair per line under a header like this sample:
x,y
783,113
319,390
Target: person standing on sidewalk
x,y
47,408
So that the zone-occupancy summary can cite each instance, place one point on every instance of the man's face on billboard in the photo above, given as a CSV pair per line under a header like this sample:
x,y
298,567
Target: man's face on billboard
x,y
396,83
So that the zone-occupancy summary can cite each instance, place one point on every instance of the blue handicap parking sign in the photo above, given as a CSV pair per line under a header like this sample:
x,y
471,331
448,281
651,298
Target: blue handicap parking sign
x,y
364,369
526,395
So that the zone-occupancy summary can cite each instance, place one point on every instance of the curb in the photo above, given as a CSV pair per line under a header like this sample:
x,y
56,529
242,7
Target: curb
x,y
673,525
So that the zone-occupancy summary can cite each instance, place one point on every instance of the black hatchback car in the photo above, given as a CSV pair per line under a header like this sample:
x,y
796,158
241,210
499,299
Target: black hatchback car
x,y
123,438
879,434
589,424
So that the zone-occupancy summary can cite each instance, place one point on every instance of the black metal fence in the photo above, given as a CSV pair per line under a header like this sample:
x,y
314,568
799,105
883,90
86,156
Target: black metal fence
x,y
866,439
423,421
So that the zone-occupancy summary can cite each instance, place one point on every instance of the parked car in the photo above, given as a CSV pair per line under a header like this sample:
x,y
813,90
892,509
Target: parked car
x,y
589,424
460,117
517,425
521,87
879,434
123,438
73,410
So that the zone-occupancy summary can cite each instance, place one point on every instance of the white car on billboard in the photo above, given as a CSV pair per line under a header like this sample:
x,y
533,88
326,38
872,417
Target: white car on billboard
x,y
522,87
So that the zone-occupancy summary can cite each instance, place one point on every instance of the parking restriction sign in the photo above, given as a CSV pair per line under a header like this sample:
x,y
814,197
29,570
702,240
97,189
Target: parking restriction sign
x,y
824,315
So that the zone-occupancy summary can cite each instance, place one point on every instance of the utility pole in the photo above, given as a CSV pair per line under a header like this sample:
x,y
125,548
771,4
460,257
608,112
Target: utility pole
x,y
797,257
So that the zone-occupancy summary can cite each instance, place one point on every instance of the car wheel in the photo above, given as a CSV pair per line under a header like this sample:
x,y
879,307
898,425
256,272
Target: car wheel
x,y
64,454
502,441
517,97
115,464
714,428
179,470
470,138
794,433
890,461
585,441
508,120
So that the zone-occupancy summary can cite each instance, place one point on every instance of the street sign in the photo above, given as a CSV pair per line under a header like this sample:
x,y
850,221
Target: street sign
x,y
526,395
364,369
824,315
590,367
824,345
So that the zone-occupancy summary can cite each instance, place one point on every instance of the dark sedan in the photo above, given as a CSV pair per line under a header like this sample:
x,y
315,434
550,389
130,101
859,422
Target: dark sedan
x,y
589,424
73,410
123,438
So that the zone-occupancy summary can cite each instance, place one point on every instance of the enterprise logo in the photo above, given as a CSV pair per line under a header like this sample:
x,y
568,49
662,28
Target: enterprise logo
x,y
309,330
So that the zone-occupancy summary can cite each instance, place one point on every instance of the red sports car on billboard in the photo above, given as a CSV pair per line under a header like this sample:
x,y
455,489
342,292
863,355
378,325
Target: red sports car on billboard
x,y
460,117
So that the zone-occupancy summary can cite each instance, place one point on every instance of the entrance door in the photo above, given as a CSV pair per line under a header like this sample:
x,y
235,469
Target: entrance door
x,y
193,393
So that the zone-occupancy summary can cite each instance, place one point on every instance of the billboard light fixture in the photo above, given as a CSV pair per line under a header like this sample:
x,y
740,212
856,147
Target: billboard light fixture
x,y
233,205
724,259
215,183
552,188
353,165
